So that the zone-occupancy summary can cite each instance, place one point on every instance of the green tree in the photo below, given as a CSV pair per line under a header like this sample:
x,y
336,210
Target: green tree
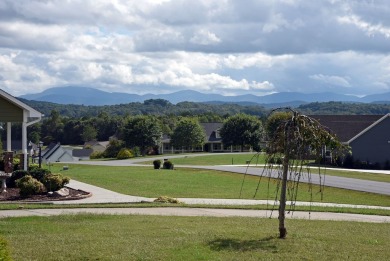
x,y
243,130
274,121
143,132
89,133
113,148
188,132
52,128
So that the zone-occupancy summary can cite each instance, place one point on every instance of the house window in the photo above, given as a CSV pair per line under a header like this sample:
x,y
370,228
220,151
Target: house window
x,y
217,135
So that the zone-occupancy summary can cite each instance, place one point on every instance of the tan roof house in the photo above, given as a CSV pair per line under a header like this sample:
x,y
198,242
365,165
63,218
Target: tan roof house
x,y
12,110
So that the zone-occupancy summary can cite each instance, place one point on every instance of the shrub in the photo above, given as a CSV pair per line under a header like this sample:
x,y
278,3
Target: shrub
x,y
16,163
167,165
4,250
97,155
113,148
137,152
17,174
125,154
157,164
166,199
55,182
39,173
29,186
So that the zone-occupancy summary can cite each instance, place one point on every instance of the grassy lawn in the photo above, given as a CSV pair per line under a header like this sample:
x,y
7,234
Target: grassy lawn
x,y
104,237
191,183
241,159
210,159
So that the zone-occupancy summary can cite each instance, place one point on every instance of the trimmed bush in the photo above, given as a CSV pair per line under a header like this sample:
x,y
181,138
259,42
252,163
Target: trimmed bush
x,y
4,250
39,173
167,165
97,155
125,154
157,164
55,182
17,174
29,186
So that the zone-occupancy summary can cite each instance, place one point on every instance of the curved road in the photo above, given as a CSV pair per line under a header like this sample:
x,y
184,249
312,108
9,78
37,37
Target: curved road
x,y
331,181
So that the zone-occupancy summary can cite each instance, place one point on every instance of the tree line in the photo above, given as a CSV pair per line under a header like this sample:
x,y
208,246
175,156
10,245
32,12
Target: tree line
x,y
213,112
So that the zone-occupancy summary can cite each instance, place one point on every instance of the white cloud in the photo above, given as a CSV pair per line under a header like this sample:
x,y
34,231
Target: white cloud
x,y
368,28
221,46
332,79
204,37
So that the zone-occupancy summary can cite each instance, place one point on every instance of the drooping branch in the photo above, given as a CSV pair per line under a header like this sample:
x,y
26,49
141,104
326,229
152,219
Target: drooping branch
x,y
297,140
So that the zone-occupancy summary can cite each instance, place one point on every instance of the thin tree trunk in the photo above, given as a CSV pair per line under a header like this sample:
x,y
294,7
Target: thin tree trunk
x,y
282,204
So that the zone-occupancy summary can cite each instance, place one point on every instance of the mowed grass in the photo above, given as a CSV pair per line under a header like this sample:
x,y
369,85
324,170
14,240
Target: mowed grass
x,y
196,183
116,237
210,159
242,158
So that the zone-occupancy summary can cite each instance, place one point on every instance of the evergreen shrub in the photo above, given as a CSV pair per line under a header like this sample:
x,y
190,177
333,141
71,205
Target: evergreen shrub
x,y
29,186
125,154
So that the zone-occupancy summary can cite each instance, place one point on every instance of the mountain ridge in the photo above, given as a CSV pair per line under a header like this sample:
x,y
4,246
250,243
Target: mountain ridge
x,y
90,96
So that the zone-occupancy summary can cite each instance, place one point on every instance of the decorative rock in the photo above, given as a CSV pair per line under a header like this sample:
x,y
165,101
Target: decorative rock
x,y
61,192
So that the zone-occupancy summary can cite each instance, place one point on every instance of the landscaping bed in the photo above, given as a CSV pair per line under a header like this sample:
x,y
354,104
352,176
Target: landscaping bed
x,y
12,194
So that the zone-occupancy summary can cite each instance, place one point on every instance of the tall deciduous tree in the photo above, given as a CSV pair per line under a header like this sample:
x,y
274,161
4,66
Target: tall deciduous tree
x,y
188,132
243,130
295,140
89,133
142,132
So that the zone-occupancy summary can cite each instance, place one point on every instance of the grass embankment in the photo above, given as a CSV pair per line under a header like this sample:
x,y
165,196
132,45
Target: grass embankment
x,y
195,183
97,237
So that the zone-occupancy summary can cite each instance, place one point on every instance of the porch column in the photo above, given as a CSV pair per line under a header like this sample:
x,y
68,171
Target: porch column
x,y
24,144
9,137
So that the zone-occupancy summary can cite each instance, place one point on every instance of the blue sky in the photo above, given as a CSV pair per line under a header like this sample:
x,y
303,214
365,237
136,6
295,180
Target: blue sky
x,y
227,47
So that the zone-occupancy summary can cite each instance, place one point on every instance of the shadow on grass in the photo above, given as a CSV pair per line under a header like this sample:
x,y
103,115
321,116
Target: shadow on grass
x,y
232,244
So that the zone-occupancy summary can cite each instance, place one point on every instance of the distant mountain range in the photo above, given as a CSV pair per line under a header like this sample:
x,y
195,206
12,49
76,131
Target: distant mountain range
x,y
91,96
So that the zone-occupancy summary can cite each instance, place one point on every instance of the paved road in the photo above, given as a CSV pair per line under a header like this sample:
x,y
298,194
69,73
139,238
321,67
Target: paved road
x,y
331,181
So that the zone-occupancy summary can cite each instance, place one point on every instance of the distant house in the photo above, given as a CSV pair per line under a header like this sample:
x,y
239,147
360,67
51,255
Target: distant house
x,y
98,146
213,142
56,153
367,135
81,154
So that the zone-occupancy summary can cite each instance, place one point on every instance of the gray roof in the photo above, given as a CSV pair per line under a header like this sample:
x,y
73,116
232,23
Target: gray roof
x,y
347,127
211,129
82,152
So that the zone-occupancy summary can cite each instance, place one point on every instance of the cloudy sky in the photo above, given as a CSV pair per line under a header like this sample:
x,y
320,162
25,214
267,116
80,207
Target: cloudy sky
x,y
213,46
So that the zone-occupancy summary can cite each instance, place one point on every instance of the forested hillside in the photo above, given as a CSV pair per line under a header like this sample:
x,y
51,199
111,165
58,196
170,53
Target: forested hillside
x,y
149,107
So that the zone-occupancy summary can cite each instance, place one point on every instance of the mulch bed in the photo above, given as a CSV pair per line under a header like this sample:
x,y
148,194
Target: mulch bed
x,y
12,194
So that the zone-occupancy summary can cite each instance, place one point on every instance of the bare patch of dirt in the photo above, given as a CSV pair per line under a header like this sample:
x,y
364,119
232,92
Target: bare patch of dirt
x,y
12,194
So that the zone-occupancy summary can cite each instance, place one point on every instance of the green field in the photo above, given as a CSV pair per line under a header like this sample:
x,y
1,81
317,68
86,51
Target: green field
x,y
195,183
97,237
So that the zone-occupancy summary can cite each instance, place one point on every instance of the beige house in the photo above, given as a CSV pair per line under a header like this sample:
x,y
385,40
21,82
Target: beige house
x,y
11,111
96,146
